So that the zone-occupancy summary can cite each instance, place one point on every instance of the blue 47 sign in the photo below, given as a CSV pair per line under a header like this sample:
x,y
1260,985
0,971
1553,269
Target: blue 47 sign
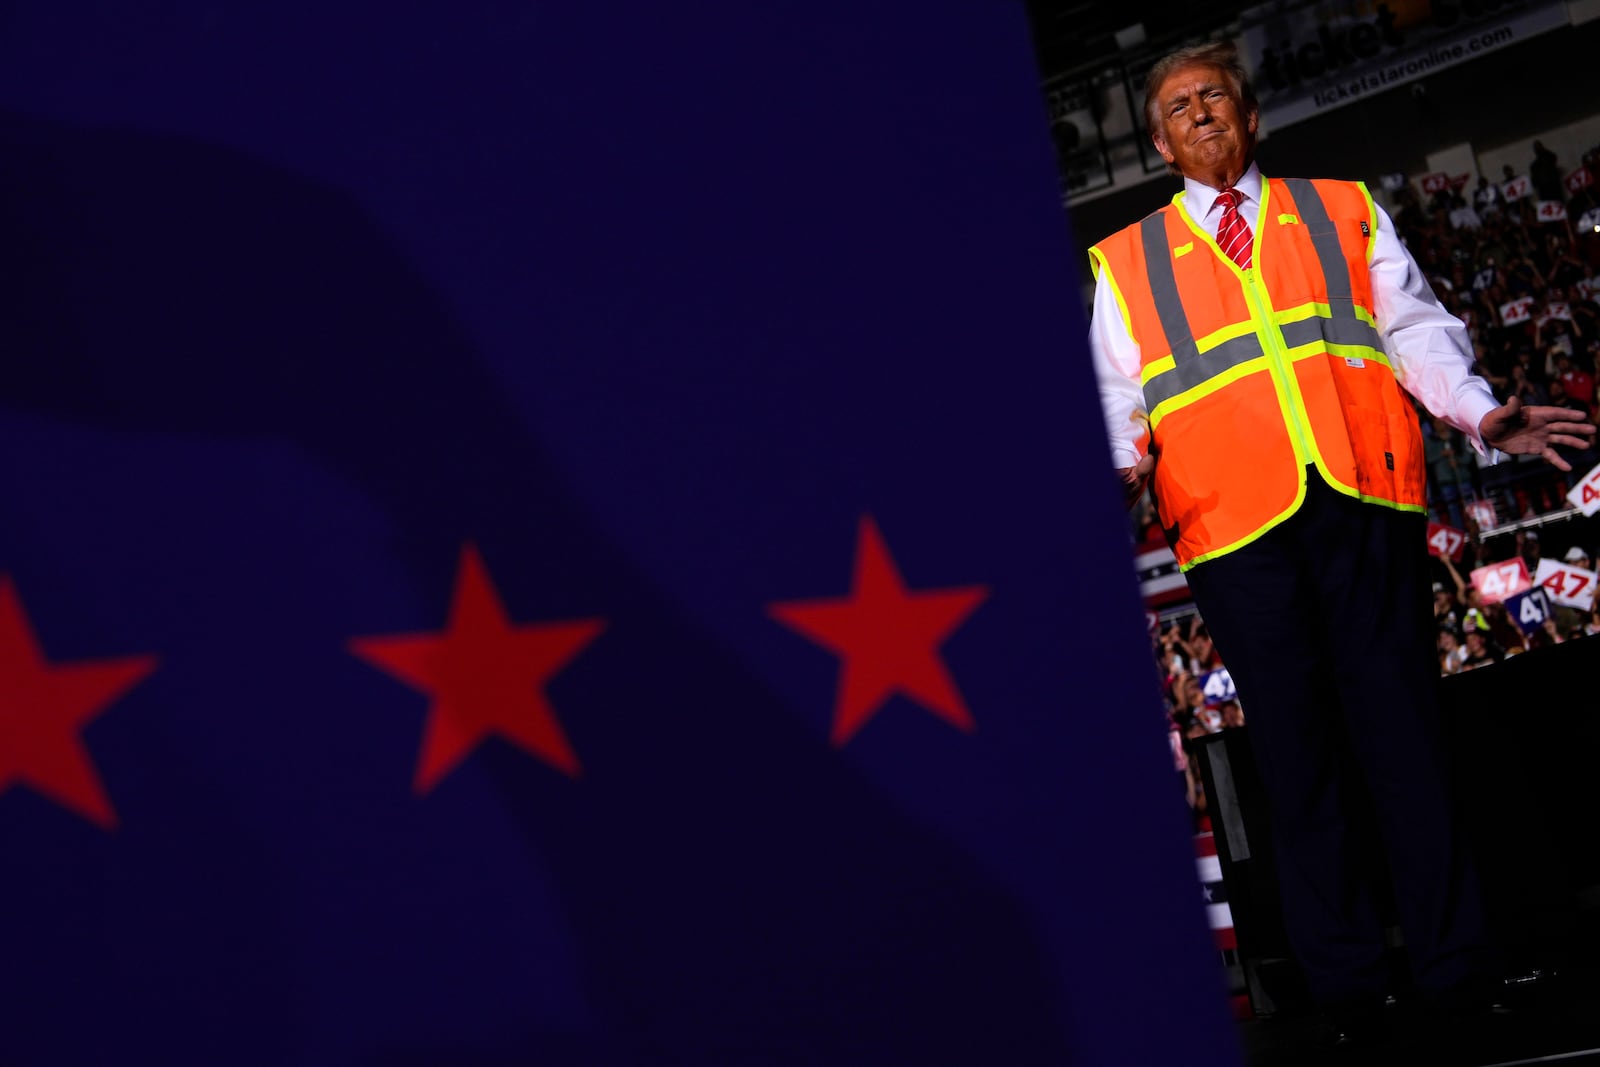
x,y
1218,686
1529,610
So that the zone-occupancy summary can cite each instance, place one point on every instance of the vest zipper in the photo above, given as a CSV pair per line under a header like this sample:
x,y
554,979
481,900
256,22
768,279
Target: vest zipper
x,y
1281,362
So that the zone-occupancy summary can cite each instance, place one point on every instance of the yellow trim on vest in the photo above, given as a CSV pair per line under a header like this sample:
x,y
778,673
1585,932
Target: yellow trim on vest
x,y
1183,250
1372,217
1261,320
1102,271
1287,219
1266,528
1311,349
1155,367
1227,333
1288,316
1299,499
1364,352
1301,313
1202,346
1206,388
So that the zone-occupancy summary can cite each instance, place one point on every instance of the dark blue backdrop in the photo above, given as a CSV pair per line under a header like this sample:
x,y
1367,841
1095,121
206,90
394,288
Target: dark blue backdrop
x,y
651,305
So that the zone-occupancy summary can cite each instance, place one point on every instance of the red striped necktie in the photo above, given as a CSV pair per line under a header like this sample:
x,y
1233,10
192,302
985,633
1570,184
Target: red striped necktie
x,y
1233,235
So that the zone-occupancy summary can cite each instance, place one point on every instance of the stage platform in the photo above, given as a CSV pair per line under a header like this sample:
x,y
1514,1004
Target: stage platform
x,y
1524,741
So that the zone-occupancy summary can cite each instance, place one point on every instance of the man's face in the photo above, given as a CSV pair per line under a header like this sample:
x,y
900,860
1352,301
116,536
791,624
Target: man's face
x,y
1204,126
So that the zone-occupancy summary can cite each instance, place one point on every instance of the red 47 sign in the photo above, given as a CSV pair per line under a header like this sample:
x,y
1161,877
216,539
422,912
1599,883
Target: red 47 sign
x,y
1500,580
1585,496
1435,183
1579,180
1566,584
1445,541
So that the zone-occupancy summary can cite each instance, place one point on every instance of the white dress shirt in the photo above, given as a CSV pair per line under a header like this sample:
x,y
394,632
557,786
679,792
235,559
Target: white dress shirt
x,y
1429,348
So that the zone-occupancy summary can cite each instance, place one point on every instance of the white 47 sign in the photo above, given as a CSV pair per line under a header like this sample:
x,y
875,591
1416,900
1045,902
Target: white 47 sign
x,y
1498,581
1566,584
1218,686
1585,496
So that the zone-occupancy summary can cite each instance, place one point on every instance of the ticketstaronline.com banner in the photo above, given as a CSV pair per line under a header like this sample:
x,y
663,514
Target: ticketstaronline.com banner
x,y
1307,61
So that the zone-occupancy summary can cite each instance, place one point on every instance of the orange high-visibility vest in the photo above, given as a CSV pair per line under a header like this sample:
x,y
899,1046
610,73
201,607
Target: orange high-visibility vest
x,y
1251,376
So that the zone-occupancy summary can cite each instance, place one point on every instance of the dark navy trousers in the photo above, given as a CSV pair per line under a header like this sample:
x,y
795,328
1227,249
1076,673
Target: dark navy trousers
x,y
1326,626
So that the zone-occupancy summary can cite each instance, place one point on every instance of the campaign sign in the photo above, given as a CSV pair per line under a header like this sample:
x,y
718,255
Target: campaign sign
x,y
1445,541
1585,496
1393,183
1483,279
1566,584
1551,211
1459,181
1515,311
1436,182
1579,180
1481,512
1528,610
1499,581
1217,686
1517,187
1558,309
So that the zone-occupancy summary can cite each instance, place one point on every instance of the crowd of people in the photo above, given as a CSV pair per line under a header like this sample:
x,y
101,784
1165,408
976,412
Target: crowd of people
x,y
1525,279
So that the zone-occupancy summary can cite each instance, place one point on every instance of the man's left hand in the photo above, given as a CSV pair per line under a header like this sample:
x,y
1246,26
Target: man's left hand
x,y
1535,431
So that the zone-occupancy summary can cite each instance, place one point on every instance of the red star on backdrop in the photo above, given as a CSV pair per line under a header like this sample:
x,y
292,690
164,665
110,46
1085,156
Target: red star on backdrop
x,y
44,708
887,638
485,676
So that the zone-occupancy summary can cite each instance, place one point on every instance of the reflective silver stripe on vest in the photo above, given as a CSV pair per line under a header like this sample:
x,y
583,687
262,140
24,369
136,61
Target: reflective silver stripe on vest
x,y
1346,327
1337,331
1164,288
1189,367
1188,373
1325,239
